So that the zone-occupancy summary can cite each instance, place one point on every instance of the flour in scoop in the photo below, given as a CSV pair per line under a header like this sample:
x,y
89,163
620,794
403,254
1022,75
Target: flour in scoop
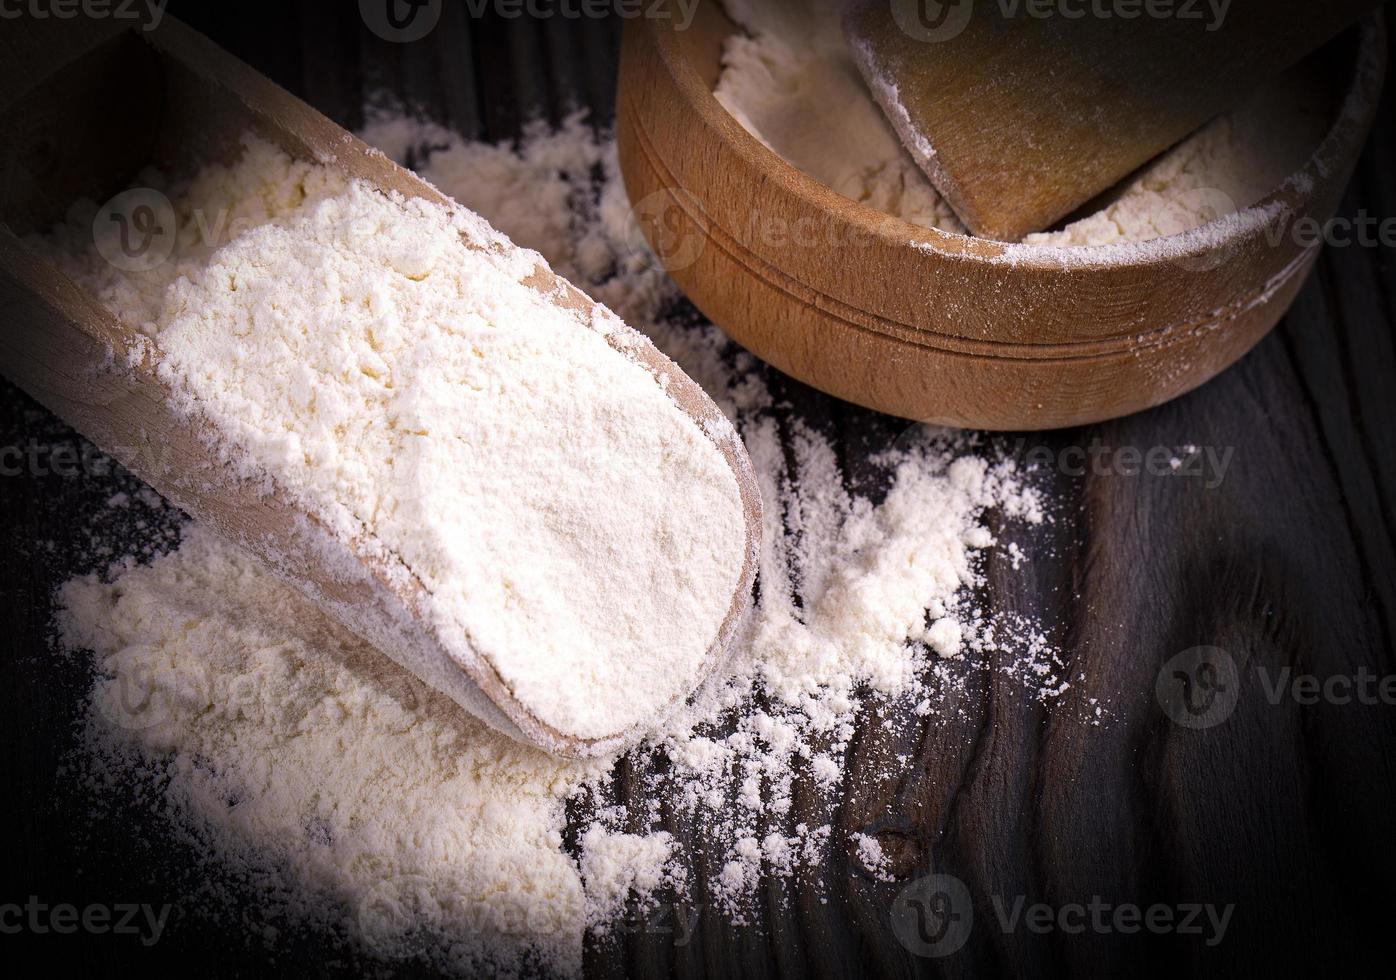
x,y
791,80
382,361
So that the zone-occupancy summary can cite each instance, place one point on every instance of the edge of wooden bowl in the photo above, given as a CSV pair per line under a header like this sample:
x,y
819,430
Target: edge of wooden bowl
x,y
943,327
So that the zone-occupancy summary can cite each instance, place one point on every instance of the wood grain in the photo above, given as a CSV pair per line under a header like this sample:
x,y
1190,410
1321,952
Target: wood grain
x,y
1290,561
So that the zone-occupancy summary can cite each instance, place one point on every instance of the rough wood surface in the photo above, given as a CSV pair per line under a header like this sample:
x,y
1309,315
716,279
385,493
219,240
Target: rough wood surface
x,y
1283,809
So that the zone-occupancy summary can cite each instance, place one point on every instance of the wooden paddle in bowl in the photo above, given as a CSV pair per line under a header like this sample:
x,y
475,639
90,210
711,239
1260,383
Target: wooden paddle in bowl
x,y
1022,112
83,106
948,328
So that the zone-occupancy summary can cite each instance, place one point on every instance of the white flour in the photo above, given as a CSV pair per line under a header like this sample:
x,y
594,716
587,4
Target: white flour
x,y
434,835
399,383
791,81
291,744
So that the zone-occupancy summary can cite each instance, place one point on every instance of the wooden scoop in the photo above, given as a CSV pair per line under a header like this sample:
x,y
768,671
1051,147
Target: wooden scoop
x,y
83,105
1020,120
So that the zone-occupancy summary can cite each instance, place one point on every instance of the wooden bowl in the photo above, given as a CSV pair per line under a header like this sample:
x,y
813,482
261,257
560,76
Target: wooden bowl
x,y
947,328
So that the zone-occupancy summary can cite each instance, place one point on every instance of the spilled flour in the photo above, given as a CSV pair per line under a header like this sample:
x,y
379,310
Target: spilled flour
x,y
290,742
791,80
290,750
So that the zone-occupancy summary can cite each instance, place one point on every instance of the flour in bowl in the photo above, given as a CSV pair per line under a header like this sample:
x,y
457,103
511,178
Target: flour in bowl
x,y
383,362
791,80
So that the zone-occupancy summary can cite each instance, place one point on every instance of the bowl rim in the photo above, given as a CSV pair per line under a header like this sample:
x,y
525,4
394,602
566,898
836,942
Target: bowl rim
x,y
1360,94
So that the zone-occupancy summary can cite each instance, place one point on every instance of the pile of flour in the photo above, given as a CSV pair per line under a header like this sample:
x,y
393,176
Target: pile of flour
x,y
287,741
291,753
791,81
382,361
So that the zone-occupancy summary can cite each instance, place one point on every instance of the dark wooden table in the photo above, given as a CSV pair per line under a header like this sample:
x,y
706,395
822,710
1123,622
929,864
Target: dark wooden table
x,y
1283,809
